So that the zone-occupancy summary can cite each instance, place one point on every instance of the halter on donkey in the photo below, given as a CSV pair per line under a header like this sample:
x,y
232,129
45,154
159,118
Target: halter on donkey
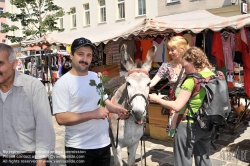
x,y
133,95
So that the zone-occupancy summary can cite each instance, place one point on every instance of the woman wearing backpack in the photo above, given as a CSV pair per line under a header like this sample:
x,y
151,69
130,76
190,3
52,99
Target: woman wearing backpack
x,y
172,70
190,140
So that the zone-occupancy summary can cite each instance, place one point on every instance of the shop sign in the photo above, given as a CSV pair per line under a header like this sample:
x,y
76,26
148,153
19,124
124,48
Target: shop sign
x,y
244,8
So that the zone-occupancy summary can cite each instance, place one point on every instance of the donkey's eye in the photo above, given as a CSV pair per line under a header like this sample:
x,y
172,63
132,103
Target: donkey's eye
x,y
128,84
148,84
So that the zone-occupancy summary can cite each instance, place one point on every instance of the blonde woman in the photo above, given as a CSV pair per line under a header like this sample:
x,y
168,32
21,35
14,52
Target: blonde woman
x,y
177,46
190,139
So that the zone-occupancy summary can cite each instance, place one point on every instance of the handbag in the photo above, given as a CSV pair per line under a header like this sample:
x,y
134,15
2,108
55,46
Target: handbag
x,y
170,96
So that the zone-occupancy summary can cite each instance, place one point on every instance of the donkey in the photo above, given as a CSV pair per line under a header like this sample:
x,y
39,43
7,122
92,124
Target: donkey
x,y
132,95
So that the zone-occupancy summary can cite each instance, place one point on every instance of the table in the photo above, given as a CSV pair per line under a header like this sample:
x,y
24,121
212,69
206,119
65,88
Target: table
x,y
239,93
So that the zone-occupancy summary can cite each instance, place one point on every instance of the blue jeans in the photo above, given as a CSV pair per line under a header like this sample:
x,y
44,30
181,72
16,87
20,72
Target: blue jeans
x,y
88,157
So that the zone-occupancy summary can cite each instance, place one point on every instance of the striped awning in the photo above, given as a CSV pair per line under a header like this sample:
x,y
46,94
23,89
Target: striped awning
x,y
195,21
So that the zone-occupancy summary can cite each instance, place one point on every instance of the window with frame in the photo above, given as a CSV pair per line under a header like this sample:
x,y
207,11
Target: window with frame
x,y
102,11
141,7
60,22
73,17
86,14
121,9
1,10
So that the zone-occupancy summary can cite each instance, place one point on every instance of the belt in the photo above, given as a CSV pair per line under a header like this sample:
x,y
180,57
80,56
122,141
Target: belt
x,y
30,155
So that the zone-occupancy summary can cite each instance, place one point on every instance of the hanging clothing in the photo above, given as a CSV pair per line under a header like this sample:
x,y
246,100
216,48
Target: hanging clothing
x,y
108,54
246,80
208,46
238,48
168,56
114,50
160,52
138,54
193,40
199,40
146,44
188,36
217,50
228,48
131,47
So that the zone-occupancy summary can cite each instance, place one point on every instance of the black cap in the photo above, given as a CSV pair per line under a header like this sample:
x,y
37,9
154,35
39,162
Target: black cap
x,y
77,43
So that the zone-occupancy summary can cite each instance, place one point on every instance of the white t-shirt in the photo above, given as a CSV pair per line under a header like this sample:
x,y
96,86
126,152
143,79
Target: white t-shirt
x,y
74,94
160,52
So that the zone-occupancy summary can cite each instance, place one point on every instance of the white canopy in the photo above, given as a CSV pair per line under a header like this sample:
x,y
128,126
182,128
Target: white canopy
x,y
195,21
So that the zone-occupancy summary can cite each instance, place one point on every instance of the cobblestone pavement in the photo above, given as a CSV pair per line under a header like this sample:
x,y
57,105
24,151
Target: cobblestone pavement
x,y
231,149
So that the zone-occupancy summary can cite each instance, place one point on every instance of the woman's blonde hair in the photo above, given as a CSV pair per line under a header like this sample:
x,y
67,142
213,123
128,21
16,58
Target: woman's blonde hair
x,y
197,57
179,42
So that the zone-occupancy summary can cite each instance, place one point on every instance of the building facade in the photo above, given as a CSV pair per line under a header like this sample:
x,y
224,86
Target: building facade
x,y
92,13
221,7
82,14
2,20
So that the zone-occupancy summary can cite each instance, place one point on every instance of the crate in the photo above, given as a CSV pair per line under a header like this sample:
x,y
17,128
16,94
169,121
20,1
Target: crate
x,y
157,123
159,133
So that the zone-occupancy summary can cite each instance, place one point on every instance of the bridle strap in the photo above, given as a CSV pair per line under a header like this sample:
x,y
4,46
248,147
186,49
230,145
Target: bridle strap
x,y
138,71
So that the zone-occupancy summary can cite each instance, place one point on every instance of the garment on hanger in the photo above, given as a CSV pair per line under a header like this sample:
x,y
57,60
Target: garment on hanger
x,y
199,40
208,46
158,39
228,45
217,50
188,36
160,52
106,50
138,54
114,50
131,47
146,44
193,40
246,81
168,56
238,48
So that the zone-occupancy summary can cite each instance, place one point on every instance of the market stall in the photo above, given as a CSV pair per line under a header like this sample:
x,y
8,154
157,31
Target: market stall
x,y
201,29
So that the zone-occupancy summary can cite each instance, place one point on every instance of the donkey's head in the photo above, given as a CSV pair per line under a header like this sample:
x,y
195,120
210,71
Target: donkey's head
x,y
137,83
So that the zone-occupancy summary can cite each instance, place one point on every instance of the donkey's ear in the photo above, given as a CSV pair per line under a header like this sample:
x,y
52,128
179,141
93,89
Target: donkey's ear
x,y
126,59
150,56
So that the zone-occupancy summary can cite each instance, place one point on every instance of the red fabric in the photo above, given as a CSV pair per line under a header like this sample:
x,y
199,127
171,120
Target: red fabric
x,y
179,34
146,44
217,50
238,44
245,55
246,80
138,54
158,39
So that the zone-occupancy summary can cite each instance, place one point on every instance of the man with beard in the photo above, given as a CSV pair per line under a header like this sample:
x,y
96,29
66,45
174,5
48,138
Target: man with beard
x,y
87,141
26,129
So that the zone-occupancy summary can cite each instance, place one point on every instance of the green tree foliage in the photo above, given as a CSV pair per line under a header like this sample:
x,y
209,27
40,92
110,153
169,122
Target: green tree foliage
x,y
37,18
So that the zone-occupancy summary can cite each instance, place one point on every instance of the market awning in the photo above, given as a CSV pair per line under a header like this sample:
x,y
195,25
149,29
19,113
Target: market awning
x,y
196,21
102,33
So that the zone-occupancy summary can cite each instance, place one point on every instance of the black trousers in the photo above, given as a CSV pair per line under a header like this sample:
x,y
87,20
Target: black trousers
x,y
88,157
